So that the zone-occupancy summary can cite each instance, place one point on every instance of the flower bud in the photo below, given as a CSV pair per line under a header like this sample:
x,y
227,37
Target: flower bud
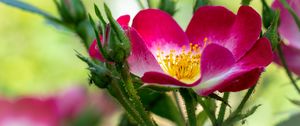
x,y
72,11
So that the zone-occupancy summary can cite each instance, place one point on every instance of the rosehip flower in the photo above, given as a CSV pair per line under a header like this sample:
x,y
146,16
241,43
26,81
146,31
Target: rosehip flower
x,y
219,51
28,112
290,33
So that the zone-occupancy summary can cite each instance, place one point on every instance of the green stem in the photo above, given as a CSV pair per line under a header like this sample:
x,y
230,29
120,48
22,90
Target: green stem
x,y
208,112
178,105
245,99
190,106
246,2
135,99
223,109
288,72
123,100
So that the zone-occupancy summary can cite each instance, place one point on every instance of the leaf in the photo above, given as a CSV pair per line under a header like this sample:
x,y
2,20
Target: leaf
x,y
235,117
215,96
295,102
29,8
126,121
160,104
201,118
292,121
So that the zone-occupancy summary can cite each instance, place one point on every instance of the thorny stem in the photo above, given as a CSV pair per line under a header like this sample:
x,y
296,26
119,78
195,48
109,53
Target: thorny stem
x,y
134,98
288,72
190,106
223,109
245,99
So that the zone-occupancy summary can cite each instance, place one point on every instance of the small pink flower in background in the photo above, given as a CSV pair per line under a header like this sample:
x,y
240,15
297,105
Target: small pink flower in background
x,y
29,112
290,33
219,51
72,101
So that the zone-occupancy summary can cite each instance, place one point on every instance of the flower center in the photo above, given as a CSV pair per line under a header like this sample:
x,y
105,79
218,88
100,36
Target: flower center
x,y
183,65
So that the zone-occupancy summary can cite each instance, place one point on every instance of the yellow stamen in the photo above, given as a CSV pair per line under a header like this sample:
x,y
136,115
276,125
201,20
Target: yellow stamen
x,y
183,65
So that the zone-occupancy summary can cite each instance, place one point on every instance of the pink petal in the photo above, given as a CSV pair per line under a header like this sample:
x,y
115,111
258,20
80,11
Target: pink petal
x,y
159,30
259,56
292,57
123,20
242,80
243,74
94,51
236,33
32,112
72,101
214,22
214,68
156,78
141,59
288,28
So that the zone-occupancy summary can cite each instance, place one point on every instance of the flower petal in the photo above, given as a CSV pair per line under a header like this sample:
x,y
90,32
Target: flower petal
x,y
159,30
141,59
94,51
245,73
157,78
123,20
292,57
213,68
259,56
241,80
288,28
210,21
236,33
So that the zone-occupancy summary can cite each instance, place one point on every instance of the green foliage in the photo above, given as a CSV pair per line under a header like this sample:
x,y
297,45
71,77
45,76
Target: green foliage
x,y
168,5
160,104
201,118
272,31
200,3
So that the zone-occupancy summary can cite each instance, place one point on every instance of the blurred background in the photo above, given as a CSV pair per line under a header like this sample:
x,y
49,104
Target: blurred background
x,y
37,59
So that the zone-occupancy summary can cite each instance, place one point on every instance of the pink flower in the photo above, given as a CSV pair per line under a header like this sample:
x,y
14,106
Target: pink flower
x,y
219,51
72,101
290,33
28,112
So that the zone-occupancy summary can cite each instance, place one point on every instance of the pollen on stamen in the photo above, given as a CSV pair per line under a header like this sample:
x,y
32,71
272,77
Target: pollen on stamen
x,y
183,64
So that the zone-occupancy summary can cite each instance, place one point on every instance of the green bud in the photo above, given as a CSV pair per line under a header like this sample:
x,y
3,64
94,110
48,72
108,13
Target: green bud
x,y
100,75
72,11
118,42
267,14
168,5
116,50
272,32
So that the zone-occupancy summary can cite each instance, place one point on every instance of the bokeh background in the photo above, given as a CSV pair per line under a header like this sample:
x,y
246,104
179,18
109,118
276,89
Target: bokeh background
x,y
39,59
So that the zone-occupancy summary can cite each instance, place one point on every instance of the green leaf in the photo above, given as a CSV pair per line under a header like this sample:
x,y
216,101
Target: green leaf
x,y
295,102
234,118
216,97
292,121
267,14
200,3
246,2
201,118
160,104
168,6
27,7
88,117
126,121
